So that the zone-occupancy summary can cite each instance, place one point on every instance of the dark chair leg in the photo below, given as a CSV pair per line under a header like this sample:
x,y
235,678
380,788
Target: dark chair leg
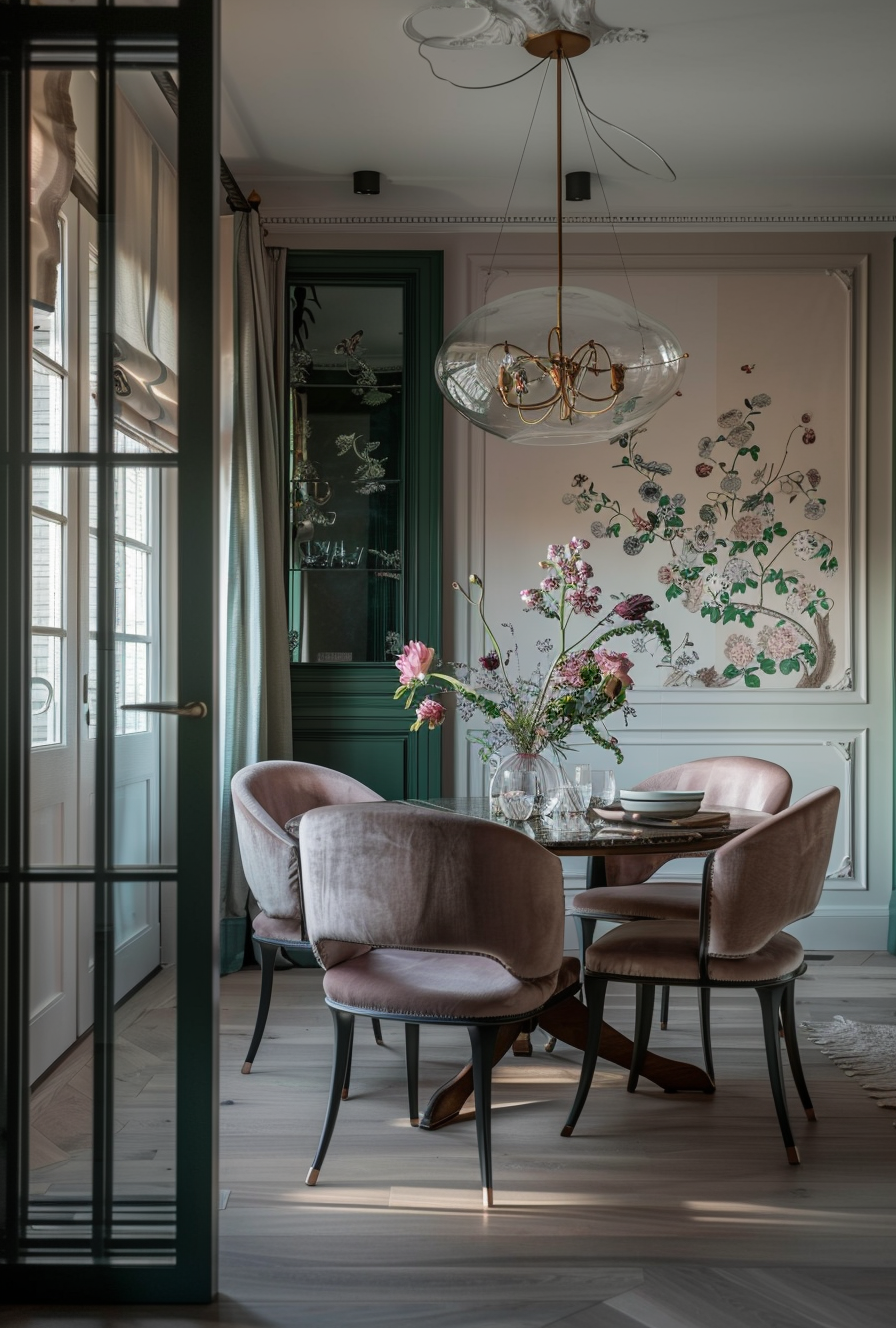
x,y
482,1040
268,959
377,1033
348,1064
412,1060
585,932
788,1017
644,997
664,1008
705,1032
595,991
770,1001
343,1027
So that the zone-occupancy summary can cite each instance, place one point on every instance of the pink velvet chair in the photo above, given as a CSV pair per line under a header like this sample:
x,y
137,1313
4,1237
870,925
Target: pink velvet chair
x,y
728,781
756,885
265,796
431,918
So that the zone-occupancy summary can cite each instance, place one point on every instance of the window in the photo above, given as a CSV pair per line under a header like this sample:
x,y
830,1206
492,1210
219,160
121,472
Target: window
x,y
49,391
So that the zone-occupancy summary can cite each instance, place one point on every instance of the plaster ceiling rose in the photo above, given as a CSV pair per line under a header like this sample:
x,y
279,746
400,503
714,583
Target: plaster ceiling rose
x,y
462,24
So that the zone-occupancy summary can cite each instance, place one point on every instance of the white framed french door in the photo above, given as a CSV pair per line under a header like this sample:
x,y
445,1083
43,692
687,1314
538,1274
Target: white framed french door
x,y
64,633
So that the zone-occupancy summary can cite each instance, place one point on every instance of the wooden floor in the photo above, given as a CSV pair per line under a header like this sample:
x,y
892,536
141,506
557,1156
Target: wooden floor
x,y
664,1211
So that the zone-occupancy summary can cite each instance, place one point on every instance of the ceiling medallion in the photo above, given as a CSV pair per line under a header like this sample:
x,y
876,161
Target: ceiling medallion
x,y
622,366
512,23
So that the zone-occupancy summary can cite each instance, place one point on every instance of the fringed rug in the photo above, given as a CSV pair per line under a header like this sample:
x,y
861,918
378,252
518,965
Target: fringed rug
x,y
864,1051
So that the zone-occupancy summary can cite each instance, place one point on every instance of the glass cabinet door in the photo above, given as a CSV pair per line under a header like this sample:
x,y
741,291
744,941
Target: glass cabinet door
x,y
364,484
347,416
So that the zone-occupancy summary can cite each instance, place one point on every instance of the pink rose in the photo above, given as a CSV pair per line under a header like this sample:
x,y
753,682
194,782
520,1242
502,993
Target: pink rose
x,y
665,576
413,662
703,470
615,664
430,712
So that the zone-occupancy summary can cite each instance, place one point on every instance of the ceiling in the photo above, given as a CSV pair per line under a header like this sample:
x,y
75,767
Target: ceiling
x,y
766,109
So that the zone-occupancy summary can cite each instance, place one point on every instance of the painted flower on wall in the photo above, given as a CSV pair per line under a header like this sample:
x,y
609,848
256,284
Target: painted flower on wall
x,y
733,562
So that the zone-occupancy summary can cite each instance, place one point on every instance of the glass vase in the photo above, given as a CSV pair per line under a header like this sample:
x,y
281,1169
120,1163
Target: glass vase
x,y
525,765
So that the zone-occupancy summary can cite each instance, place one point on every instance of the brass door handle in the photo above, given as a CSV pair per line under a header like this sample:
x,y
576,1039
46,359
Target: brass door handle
x,y
192,709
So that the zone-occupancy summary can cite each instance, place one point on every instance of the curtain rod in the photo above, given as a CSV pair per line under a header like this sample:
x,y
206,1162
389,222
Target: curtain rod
x,y
236,199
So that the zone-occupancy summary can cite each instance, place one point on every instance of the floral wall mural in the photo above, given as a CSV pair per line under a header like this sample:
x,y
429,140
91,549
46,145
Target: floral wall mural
x,y
735,561
746,527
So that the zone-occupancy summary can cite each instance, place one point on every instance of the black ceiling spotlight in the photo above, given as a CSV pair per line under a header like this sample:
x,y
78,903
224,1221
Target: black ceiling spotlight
x,y
367,182
578,186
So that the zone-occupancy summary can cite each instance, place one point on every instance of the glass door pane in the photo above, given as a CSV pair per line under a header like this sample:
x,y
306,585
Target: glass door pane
x,y
347,411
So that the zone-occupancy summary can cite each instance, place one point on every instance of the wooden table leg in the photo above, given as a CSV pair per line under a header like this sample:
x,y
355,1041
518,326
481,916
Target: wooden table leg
x,y
446,1102
568,1022
522,1045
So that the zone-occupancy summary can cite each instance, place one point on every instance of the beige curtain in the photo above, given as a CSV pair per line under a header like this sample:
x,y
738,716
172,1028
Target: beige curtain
x,y
258,712
145,375
52,168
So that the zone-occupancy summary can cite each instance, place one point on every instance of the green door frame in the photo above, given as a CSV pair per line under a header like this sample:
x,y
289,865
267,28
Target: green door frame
x,y
109,37
350,705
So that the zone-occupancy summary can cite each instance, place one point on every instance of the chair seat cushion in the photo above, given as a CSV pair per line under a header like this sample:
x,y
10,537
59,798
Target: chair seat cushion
x,y
288,931
432,985
671,899
667,951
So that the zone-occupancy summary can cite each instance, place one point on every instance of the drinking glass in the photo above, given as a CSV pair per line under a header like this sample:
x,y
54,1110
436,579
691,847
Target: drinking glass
x,y
582,787
337,557
603,787
516,794
353,556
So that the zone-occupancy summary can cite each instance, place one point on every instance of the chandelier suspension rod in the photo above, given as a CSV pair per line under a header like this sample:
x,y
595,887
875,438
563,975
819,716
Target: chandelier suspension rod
x,y
559,57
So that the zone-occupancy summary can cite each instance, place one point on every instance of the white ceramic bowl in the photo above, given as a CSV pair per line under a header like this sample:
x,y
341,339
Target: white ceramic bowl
x,y
662,795
662,807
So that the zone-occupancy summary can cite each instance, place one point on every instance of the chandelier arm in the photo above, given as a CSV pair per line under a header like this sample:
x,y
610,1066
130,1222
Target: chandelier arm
x,y
591,414
612,398
594,116
532,405
523,419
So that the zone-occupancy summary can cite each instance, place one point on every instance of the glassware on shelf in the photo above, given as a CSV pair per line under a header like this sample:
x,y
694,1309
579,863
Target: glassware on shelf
x,y
390,561
337,555
354,555
316,553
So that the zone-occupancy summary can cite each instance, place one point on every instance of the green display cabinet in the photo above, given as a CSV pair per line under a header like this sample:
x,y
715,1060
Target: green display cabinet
x,y
365,505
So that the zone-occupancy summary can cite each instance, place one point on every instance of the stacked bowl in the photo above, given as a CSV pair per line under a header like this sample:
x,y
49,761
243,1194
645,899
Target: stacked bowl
x,y
669,803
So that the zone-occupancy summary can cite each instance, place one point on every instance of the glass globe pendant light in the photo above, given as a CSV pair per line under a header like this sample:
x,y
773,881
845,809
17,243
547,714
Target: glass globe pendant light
x,y
564,364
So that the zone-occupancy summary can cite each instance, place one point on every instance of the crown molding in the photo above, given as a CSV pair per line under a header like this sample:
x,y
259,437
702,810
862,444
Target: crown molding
x,y
365,220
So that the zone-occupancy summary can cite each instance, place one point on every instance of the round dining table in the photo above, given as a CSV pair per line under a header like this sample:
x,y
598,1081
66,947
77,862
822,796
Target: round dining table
x,y
596,839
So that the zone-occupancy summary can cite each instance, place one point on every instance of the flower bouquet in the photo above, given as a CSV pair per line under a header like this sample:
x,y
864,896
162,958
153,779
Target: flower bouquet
x,y
582,685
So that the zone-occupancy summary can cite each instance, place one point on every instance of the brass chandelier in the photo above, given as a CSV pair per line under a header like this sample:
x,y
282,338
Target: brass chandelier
x,y
624,365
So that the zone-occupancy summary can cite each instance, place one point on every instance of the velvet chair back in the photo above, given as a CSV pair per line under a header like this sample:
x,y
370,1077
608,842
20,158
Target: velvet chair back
x,y
771,875
728,781
267,795
398,877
